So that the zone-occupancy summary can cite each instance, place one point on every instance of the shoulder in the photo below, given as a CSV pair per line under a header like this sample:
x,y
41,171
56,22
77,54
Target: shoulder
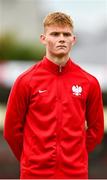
x,y
22,82
26,76
91,79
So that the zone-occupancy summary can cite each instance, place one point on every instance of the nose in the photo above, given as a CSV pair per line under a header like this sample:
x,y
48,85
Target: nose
x,y
61,39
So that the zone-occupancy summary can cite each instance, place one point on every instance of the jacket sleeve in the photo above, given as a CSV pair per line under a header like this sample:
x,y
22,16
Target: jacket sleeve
x,y
15,116
94,116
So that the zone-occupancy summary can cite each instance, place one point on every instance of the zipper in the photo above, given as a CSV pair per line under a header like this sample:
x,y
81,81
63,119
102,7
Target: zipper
x,y
60,68
59,118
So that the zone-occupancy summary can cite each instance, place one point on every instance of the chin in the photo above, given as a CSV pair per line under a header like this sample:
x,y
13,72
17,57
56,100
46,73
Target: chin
x,y
61,55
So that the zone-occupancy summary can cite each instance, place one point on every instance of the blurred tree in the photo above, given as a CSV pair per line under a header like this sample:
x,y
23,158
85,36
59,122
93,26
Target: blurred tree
x,y
12,49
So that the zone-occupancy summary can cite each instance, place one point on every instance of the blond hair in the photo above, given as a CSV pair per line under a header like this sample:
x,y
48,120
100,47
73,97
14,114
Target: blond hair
x,y
58,18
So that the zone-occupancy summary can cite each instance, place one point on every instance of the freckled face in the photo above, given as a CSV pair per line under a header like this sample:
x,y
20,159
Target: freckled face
x,y
58,40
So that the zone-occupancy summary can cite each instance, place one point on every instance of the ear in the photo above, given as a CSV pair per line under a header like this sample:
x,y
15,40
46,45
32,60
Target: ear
x,y
73,40
43,39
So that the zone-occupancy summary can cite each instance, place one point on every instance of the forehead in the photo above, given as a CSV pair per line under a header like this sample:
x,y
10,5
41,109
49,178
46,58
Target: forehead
x,y
55,28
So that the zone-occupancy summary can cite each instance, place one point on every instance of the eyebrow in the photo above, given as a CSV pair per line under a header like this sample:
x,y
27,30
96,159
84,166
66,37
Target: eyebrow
x,y
57,32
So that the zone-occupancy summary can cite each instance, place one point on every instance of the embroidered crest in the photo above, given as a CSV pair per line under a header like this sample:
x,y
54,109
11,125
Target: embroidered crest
x,y
76,90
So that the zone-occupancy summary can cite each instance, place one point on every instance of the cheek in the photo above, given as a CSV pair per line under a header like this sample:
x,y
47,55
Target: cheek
x,y
69,44
50,44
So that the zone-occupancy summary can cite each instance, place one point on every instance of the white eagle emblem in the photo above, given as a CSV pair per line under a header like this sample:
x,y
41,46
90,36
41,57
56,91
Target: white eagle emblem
x,y
77,90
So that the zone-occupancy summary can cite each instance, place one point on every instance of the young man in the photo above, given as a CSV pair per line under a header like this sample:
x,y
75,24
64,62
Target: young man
x,y
48,108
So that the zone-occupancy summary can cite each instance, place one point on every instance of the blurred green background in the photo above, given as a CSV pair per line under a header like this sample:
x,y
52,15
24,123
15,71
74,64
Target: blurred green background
x,y
20,48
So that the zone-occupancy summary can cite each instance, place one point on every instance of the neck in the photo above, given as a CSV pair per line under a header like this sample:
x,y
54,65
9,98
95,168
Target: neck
x,y
58,60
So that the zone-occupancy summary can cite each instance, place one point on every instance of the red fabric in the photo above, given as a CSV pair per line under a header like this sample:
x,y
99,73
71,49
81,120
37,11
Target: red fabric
x,y
45,120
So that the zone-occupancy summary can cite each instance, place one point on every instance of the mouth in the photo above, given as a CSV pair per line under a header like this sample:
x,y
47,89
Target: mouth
x,y
61,46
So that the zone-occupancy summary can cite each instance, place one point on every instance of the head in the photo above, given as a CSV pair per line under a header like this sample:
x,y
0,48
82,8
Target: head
x,y
58,36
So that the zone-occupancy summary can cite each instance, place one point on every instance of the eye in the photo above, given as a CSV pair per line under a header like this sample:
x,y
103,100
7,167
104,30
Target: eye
x,y
55,34
67,34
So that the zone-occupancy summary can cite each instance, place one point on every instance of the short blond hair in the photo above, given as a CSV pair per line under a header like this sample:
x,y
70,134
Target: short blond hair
x,y
58,18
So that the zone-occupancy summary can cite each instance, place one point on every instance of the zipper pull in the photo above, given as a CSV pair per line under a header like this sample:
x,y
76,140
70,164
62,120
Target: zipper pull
x,y
60,68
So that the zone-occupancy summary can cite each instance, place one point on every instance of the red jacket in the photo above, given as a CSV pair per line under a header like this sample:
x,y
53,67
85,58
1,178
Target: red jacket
x,y
45,120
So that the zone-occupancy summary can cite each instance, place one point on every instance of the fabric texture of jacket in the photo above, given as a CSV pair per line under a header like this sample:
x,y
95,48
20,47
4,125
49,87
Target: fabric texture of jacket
x,y
45,124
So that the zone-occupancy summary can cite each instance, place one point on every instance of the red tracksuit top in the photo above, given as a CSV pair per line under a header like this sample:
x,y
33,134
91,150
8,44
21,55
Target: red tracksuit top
x,y
45,120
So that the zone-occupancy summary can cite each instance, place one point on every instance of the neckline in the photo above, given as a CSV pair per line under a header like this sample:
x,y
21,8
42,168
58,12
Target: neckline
x,y
54,68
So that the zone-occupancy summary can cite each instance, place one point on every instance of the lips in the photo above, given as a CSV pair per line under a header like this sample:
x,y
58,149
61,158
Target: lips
x,y
61,46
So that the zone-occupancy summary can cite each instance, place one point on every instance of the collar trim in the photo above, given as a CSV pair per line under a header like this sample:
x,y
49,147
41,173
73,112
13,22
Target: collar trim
x,y
54,68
